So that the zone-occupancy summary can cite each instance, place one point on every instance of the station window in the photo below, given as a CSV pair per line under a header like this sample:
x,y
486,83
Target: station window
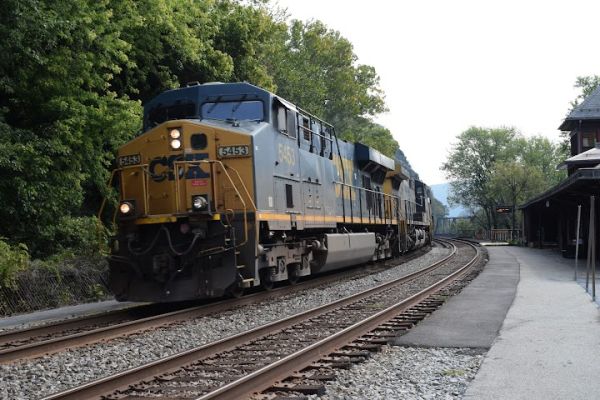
x,y
587,141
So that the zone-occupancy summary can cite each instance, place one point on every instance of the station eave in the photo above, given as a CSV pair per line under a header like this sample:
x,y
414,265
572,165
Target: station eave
x,y
578,184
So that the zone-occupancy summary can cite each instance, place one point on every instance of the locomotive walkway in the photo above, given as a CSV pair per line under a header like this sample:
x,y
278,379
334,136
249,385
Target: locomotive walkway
x,y
548,345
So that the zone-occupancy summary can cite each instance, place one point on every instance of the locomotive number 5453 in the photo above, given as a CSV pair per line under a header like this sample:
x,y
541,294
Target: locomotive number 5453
x,y
233,151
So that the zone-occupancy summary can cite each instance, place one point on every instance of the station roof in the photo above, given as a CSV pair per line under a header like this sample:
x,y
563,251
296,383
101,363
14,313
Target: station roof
x,y
583,183
589,109
588,158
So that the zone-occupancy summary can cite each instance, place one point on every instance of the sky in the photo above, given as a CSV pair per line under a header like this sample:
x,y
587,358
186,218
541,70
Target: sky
x,y
448,65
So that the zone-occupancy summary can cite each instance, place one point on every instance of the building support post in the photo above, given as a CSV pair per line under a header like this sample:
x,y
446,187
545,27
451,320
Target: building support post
x,y
591,260
593,230
577,240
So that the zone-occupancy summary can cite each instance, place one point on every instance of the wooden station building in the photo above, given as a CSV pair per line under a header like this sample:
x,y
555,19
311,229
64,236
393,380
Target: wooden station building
x,y
550,219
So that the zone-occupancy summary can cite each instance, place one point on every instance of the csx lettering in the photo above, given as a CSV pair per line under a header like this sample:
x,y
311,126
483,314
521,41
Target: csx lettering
x,y
286,154
159,174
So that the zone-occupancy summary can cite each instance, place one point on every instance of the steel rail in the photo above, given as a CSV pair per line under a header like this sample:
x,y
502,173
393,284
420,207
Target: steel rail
x,y
98,388
263,378
71,323
50,346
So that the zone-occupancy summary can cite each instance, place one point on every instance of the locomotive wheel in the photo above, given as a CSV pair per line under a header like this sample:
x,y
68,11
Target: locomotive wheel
x,y
293,276
265,279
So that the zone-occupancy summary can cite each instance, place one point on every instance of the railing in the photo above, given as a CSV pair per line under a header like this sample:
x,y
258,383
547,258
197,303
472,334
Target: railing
x,y
504,235
213,171
177,189
376,210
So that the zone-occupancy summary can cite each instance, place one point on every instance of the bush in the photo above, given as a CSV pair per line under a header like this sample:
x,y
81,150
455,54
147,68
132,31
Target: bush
x,y
58,281
84,236
13,259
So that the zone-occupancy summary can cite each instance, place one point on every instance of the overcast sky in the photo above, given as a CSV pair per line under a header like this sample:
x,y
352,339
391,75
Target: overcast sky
x,y
448,65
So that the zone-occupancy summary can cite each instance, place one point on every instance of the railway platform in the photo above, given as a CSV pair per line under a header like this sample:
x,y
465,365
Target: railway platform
x,y
539,326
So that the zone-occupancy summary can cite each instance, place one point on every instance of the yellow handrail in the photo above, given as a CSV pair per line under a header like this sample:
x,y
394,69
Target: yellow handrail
x,y
224,168
177,188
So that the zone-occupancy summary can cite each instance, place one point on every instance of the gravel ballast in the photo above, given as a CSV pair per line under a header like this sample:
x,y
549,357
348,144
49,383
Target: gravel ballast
x,y
407,373
43,376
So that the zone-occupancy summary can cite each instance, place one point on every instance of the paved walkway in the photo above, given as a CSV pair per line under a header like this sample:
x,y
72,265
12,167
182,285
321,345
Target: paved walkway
x,y
549,344
541,327
455,324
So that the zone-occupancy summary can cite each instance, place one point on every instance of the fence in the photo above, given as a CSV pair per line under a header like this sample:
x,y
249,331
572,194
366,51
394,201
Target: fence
x,y
500,235
41,287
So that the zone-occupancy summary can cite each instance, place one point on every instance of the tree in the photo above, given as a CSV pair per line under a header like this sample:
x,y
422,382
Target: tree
x,y
587,84
544,156
75,74
470,165
438,209
374,135
513,182
316,68
59,120
491,167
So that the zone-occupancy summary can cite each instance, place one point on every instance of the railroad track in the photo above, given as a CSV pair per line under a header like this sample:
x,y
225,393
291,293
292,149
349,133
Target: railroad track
x,y
290,355
59,336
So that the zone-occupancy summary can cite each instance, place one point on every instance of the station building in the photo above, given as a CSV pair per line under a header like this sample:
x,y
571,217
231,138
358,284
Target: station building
x,y
550,219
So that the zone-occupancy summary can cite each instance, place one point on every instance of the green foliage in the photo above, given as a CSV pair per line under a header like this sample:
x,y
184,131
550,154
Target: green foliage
x,y
439,209
13,259
587,84
470,165
59,121
316,68
491,167
374,135
75,74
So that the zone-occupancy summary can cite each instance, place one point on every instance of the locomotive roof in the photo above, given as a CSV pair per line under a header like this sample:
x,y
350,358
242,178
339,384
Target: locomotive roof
x,y
197,94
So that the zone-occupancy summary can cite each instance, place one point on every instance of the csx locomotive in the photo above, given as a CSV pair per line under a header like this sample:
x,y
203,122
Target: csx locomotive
x,y
231,187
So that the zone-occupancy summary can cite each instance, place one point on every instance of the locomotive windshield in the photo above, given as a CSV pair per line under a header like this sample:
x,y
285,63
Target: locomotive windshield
x,y
160,114
233,110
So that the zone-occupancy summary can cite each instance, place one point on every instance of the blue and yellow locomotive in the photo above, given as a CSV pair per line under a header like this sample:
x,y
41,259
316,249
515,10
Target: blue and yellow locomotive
x,y
231,187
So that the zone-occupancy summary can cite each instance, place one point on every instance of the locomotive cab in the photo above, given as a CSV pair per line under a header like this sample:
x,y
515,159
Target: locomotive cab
x,y
186,212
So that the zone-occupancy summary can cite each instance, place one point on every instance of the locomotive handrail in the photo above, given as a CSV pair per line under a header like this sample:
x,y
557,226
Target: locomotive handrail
x,y
374,192
243,186
224,169
146,172
108,184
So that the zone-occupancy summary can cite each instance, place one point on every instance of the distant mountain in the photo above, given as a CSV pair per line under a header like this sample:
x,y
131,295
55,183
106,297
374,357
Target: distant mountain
x,y
441,192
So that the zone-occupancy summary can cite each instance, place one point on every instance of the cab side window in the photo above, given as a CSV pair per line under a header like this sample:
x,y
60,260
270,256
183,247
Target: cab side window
x,y
291,124
282,120
286,122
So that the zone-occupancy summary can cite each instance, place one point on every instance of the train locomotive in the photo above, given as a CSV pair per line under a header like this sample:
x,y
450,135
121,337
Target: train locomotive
x,y
230,187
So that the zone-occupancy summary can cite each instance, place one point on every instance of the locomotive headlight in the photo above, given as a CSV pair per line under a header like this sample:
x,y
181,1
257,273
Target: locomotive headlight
x,y
175,133
175,144
126,208
199,203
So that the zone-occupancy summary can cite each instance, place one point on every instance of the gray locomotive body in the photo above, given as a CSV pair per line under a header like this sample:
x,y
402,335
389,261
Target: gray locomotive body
x,y
279,197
